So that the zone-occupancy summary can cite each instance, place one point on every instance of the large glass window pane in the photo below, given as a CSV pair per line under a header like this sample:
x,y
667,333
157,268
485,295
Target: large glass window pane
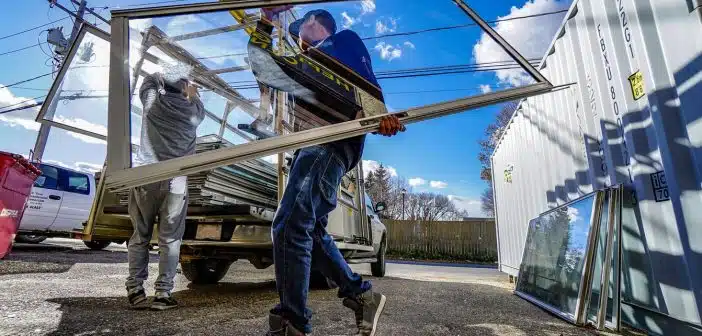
x,y
598,261
80,100
554,256
392,51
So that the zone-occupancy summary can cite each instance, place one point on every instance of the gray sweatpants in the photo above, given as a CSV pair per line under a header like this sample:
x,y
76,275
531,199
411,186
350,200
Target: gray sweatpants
x,y
169,201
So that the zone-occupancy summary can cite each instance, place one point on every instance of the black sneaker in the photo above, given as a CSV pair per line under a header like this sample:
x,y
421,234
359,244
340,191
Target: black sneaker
x,y
137,298
281,327
367,308
164,302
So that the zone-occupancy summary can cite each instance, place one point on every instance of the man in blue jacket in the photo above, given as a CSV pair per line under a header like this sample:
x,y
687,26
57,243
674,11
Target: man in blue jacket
x,y
299,228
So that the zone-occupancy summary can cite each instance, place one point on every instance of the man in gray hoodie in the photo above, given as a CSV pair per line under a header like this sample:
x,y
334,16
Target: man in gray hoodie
x,y
172,111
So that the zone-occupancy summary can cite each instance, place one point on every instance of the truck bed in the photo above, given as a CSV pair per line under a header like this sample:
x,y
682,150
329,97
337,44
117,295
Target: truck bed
x,y
239,212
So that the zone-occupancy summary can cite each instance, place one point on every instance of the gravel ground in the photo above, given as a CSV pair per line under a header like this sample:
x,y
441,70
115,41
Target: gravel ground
x,y
61,288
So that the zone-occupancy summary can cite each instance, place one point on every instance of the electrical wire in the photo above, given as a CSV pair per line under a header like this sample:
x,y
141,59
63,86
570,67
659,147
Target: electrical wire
x,y
142,4
23,48
27,80
20,103
23,107
222,56
50,55
34,28
462,26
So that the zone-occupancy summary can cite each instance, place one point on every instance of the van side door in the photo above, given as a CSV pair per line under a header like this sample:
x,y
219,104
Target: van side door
x,y
44,201
77,200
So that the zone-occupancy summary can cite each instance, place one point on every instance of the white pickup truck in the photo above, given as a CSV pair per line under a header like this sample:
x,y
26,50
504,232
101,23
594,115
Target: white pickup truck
x,y
58,205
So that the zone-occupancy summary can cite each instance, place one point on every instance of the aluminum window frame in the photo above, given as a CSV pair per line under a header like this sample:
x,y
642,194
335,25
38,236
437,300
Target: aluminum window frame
x,y
120,175
84,29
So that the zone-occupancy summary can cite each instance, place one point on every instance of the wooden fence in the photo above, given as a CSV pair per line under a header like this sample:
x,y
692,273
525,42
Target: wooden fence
x,y
473,240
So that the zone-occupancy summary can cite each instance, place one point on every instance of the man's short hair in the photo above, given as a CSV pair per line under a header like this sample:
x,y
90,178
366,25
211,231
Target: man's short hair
x,y
323,17
326,22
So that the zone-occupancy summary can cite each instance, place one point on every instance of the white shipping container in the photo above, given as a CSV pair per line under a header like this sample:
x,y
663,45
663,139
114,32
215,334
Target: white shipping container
x,y
633,117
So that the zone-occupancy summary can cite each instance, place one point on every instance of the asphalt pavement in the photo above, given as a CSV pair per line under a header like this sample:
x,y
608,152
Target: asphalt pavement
x,y
61,288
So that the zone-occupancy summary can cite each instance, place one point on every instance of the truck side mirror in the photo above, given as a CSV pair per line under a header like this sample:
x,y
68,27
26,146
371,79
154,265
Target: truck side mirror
x,y
380,207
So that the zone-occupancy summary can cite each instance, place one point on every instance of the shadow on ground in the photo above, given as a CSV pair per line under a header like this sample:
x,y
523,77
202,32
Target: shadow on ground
x,y
413,308
50,258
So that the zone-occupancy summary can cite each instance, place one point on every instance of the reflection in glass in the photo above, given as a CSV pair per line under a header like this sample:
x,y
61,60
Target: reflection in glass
x,y
81,98
408,60
554,255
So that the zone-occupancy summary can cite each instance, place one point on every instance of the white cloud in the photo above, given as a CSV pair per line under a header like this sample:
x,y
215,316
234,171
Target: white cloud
x,y
84,167
370,165
271,158
574,215
21,118
367,6
87,139
530,37
485,88
84,125
410,45
417,181
389,27
348,20
217,45
438,184
388,52
471,206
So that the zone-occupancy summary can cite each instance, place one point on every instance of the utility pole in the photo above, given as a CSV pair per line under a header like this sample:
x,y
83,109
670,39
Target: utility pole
x,y
44,129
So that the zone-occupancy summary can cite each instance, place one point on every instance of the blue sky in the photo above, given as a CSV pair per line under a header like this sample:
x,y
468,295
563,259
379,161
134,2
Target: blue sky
x,y
438,155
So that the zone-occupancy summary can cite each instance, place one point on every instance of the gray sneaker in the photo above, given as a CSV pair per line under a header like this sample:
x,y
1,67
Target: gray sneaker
x,y
163,301
137,298
367,307
281,327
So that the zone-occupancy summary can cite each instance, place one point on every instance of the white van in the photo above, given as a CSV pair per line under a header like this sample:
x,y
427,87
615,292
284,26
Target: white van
x,y
58,205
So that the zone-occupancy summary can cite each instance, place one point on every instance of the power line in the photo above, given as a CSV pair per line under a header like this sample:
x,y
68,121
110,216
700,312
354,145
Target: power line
x,y
433,91
141,4
462,26
22,102
222,56
22,108
34,28
24,48
27,80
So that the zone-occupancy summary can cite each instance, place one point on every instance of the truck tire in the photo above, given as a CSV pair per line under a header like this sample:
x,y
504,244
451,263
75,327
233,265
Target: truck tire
x,y
30,239
97,245
204,271
378,267
319,281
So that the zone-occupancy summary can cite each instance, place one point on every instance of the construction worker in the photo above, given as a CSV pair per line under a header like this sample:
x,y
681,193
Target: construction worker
x,y
299,228
172,111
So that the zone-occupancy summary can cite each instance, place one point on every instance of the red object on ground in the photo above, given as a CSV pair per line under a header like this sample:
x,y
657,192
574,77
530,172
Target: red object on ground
x,y
17,175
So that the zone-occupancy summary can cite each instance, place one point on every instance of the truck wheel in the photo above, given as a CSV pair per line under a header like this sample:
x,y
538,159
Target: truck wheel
x,y
319,281
30,239
378,268
204,271
97,245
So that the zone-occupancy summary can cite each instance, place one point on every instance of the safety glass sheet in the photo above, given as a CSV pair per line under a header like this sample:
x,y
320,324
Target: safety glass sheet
x,y
77,100
555,255
384,56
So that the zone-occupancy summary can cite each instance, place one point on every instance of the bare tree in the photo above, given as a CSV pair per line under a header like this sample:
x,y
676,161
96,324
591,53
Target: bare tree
x,y
487,201
487,146
395,199
430,207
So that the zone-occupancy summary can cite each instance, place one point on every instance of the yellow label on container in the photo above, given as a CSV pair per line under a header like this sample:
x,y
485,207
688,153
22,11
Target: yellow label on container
x,y
637,85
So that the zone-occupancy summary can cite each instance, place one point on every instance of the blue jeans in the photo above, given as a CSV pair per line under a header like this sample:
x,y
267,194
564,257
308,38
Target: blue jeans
x,y
300,239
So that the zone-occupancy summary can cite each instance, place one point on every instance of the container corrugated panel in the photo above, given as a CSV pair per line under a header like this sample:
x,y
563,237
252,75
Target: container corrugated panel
x,y
634,117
